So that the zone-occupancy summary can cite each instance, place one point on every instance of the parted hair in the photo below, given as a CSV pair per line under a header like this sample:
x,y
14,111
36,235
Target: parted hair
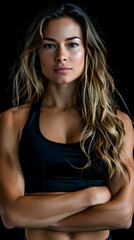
x,y
95,88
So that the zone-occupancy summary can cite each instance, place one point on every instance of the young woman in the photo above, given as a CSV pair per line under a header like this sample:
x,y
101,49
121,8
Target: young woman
x,y
66,151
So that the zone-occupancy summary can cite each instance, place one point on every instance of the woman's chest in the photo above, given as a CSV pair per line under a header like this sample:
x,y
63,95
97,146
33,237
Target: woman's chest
x,y
61,126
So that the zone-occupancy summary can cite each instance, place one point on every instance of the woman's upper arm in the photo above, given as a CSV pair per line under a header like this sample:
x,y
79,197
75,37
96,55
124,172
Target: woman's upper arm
x,y
125,186
129,135
11,177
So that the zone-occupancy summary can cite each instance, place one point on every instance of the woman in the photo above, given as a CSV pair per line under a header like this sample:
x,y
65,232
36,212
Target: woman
x,y
66,164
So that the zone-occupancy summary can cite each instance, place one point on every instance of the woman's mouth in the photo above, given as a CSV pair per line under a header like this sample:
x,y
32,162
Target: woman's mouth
x,y
62,69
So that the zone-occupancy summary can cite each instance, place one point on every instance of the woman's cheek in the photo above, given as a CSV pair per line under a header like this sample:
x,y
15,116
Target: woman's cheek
x,y
46,62
79,59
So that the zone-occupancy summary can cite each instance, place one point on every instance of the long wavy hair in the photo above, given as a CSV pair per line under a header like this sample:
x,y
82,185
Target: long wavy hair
x,y
95,88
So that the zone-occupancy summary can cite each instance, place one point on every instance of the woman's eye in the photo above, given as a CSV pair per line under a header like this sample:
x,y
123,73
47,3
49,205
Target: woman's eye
x,y
49,46
73,45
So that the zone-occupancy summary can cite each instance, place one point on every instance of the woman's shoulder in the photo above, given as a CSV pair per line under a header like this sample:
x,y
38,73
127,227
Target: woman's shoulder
x,y
128,127
13,119
125,118
15,113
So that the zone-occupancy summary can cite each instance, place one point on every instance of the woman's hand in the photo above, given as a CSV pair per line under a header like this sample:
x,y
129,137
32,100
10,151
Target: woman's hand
x,y
97,195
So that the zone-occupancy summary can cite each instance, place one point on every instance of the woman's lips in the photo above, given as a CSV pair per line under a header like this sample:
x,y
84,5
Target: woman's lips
x,y
62,69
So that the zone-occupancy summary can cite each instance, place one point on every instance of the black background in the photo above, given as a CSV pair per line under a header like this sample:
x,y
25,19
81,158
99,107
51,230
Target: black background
x,y
114,22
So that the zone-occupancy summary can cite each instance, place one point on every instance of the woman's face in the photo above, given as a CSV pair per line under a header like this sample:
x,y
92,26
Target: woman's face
x,y
62,53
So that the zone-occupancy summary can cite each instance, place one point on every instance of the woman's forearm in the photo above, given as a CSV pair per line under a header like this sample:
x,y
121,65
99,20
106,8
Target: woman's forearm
x,y
41,211
93,219
114,214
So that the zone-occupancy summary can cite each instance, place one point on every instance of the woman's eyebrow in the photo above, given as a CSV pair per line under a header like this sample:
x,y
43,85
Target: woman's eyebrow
x,y
54,40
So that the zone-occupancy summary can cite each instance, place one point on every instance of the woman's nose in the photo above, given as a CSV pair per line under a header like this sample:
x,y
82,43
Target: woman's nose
x,y
61,55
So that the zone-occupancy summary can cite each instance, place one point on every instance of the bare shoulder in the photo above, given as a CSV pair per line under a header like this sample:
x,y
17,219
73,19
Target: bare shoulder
x,y
129,132
12,115
128,126
14,119
124,118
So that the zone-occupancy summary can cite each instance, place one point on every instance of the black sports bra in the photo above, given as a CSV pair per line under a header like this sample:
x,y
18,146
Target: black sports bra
x,y
49,166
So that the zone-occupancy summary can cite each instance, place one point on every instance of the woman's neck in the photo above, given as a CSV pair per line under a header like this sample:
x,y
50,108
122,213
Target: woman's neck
x,y
60,96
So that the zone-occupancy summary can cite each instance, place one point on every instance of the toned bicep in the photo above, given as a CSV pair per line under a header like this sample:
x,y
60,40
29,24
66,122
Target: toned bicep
x,y
125,185
11,177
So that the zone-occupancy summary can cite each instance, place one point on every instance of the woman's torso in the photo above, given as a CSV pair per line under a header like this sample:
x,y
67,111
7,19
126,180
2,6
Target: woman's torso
x,y
50,135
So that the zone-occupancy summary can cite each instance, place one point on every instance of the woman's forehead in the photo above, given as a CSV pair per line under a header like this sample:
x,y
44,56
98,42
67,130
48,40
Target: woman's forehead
x,y
65,27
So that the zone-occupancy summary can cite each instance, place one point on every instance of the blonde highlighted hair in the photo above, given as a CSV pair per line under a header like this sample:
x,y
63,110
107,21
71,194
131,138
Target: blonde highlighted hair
x,y
95,87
